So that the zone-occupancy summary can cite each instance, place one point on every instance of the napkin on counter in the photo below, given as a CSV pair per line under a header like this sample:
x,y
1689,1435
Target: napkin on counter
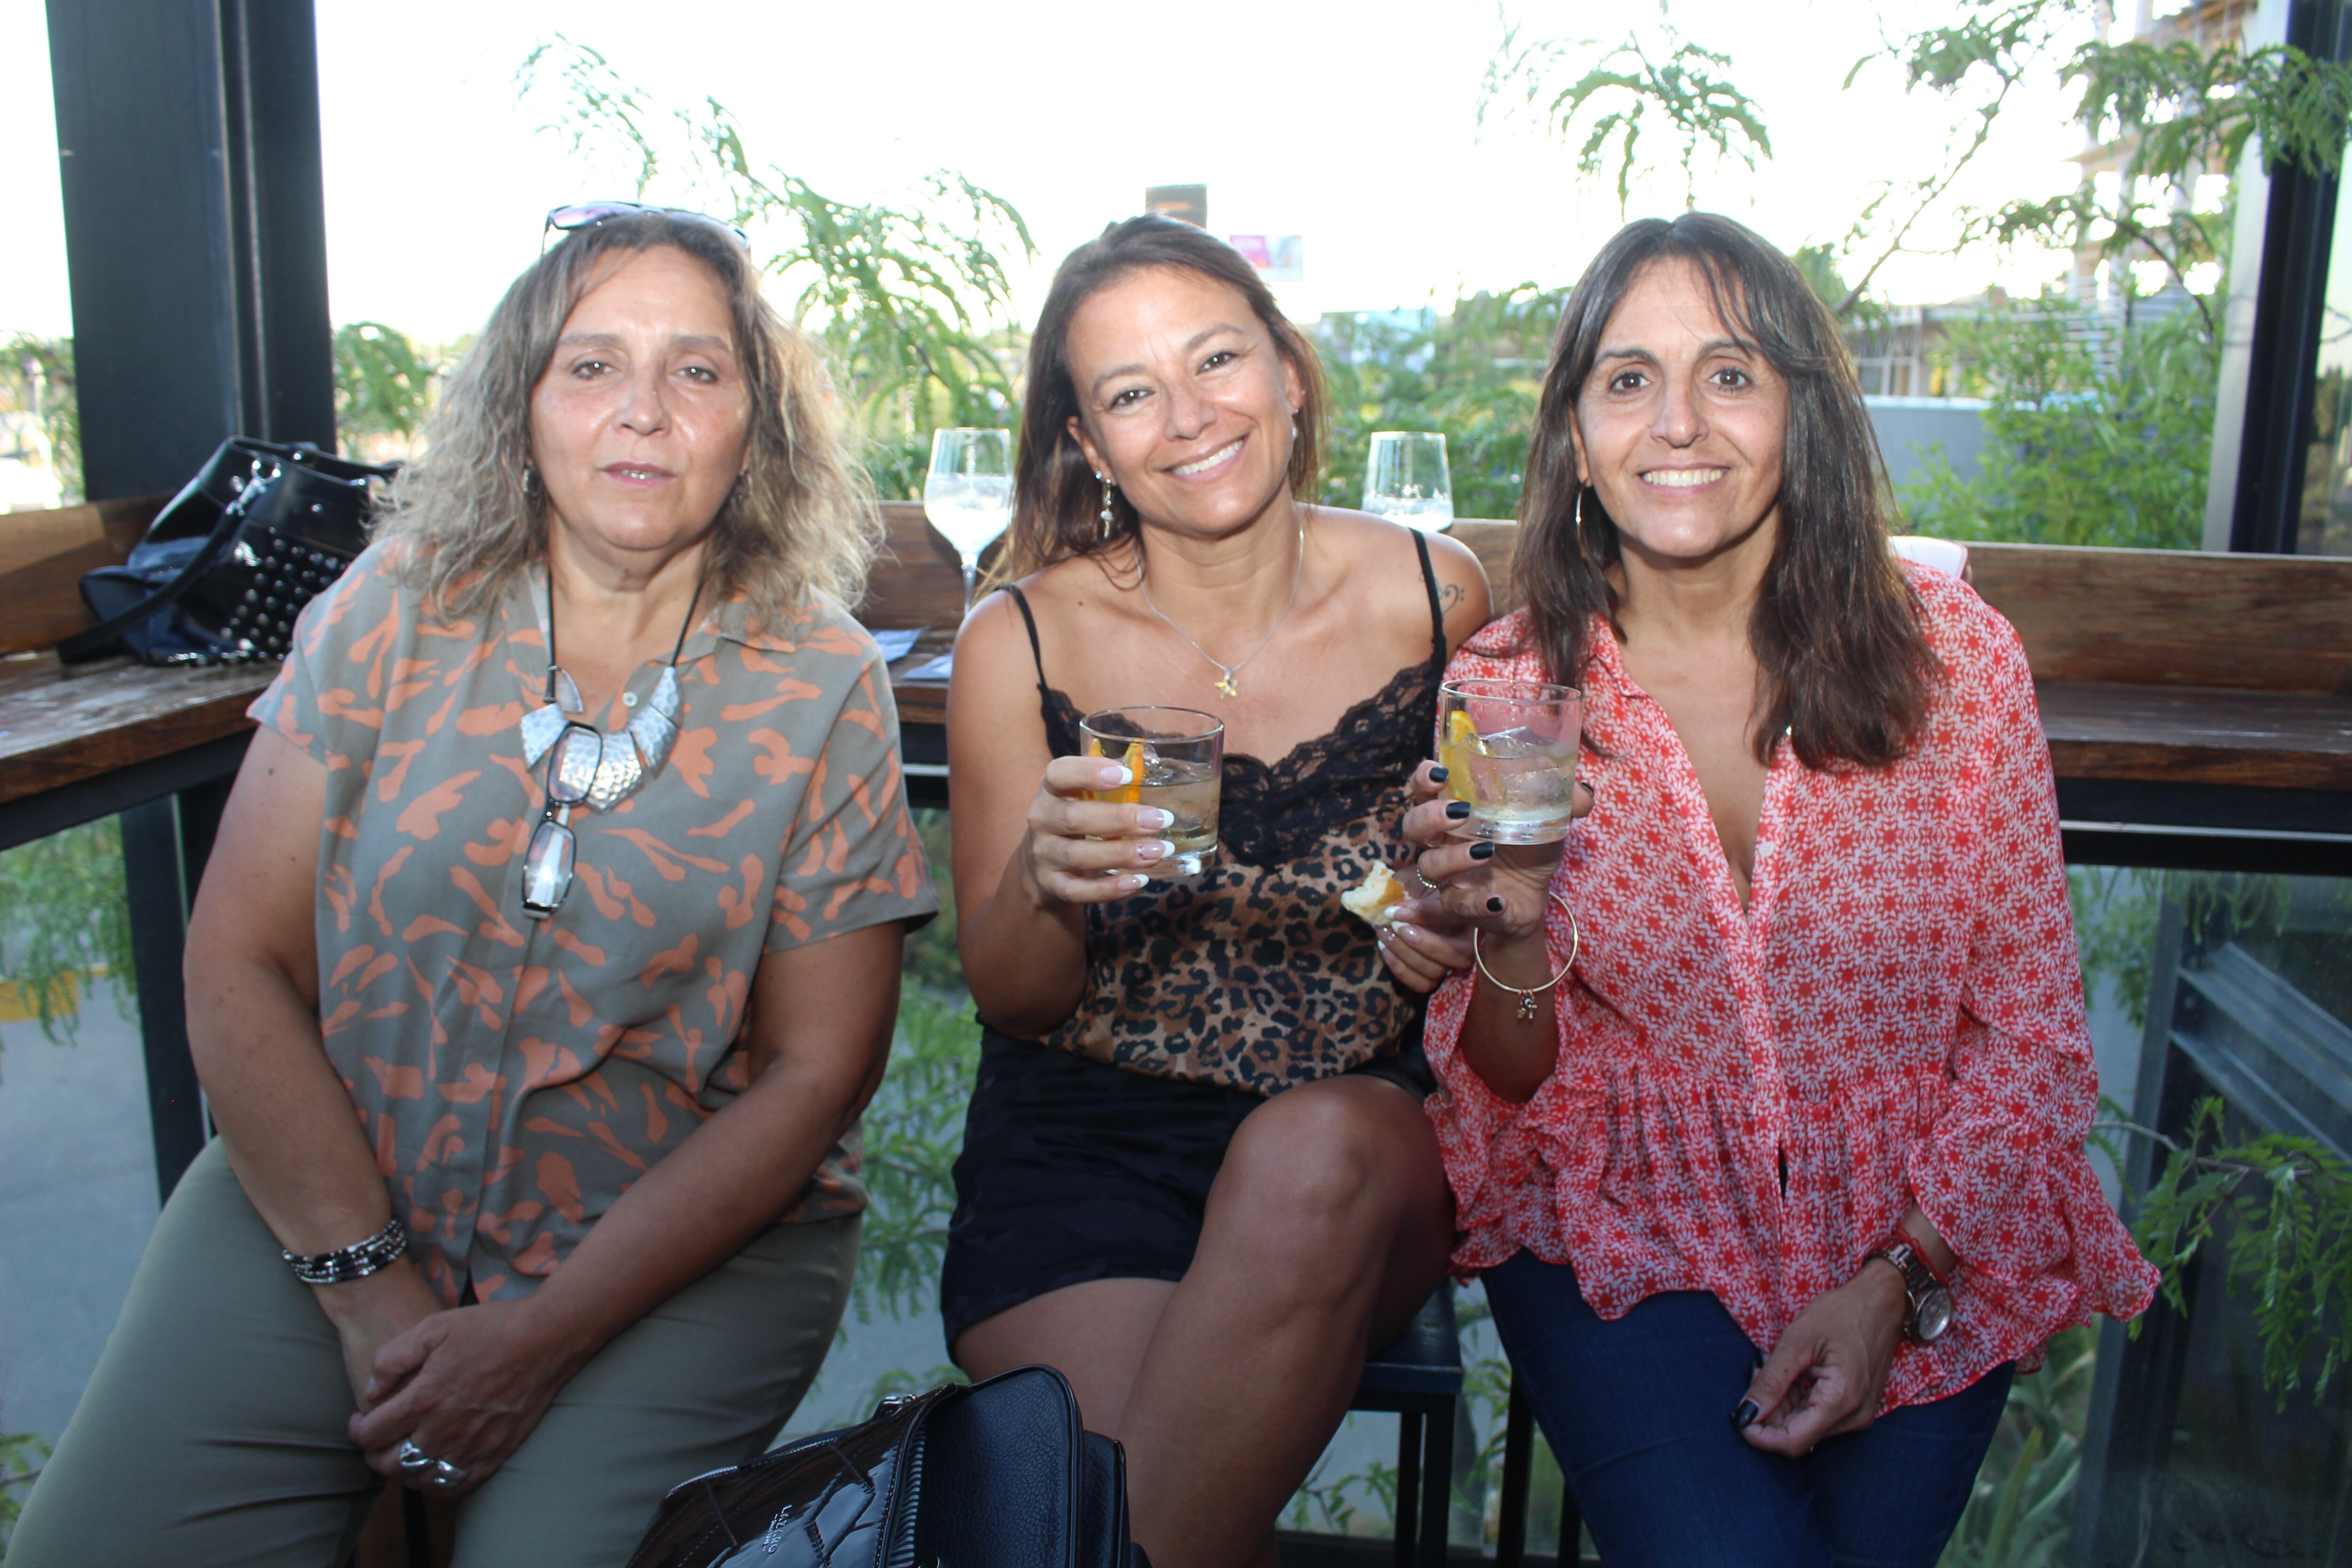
x,y
897,644
939,668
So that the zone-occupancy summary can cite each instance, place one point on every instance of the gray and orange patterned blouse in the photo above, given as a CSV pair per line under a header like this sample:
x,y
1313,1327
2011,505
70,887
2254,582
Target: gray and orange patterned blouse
x,y
514,1075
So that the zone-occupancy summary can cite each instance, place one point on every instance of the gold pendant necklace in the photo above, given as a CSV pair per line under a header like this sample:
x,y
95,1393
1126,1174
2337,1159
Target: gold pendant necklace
x,y
1226,685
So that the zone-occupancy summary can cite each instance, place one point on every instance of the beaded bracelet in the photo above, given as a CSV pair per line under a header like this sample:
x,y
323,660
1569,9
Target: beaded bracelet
x,y
354,1262
1527,996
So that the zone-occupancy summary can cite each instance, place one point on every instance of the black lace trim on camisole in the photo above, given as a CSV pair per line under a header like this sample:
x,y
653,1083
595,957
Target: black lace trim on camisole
x,y
1254,975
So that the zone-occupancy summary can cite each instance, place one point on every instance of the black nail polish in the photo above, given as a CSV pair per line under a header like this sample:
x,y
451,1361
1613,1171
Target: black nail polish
x,y
1482,852
1494,906
1439,776
1745,1416
1456,810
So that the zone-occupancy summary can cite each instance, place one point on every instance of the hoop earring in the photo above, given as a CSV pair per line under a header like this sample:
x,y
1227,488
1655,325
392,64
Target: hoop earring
x,y
1110,518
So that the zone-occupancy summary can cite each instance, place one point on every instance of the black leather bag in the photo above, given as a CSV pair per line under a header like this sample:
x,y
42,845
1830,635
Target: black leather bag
x,y
227,565
1000,1474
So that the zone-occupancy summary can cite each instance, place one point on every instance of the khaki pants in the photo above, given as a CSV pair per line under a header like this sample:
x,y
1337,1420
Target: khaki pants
x,y
213,1434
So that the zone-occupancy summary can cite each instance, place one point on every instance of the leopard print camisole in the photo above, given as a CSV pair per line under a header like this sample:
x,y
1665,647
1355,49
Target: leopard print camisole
x,y
1251,975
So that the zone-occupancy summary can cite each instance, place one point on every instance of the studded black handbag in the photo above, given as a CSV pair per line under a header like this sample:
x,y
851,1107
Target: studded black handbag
x,y
227,566
998,1474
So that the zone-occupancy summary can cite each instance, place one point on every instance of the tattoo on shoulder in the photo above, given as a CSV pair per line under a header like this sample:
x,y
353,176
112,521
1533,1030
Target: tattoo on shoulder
x,y
1449,595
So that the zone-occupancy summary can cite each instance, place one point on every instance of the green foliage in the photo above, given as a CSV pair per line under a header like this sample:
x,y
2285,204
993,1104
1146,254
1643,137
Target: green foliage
x,y
2079,452
914,1130
2116,909
38,372
912,300
2187,107
2021,1504
1339,1504
22,1454
1472,375
64,919
383,382
2281,1206
931,961
1683,95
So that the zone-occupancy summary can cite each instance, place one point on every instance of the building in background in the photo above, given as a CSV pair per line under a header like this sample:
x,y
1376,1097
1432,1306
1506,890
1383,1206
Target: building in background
x,y
1278,258
1186,203
28,470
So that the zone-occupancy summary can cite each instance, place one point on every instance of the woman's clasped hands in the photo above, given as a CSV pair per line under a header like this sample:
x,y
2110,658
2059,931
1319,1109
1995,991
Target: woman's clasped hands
x,y
464,1386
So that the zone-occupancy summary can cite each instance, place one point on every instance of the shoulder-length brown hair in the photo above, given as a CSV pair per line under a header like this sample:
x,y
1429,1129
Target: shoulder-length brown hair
x,y
1056,500
801,521
1847,667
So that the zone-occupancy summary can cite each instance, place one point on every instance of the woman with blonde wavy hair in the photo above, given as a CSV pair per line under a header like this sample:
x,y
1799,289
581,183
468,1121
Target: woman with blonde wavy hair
x,y
547,952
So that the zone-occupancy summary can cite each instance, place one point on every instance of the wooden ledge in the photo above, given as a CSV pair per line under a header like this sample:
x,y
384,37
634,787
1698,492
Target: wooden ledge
x,y
62,726
2174,734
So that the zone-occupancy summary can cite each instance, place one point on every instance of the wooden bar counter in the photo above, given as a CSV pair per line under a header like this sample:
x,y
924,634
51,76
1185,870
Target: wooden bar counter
x,y
2183,693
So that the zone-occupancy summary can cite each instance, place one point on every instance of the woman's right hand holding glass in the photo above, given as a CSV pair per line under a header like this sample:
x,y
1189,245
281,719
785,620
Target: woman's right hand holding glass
x,y
1499,889
1083,850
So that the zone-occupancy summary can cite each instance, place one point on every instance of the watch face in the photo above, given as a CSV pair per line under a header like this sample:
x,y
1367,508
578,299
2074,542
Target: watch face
x,y
1934,1316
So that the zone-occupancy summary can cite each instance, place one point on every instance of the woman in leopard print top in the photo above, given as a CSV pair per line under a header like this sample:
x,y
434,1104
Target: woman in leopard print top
x,y
1196,1174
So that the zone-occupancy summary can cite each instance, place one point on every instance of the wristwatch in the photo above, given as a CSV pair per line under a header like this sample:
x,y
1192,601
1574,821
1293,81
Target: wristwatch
x,y
1928,1293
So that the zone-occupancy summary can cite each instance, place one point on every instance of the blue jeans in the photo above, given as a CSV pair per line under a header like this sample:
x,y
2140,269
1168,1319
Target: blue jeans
x,y
1639,1413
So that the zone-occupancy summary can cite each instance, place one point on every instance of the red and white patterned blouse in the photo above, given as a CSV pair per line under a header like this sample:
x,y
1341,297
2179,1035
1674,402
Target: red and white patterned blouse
x,y
1899,1016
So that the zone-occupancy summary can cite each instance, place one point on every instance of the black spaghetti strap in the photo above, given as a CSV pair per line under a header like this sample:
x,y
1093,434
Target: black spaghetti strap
x,y
1428,580
1036,652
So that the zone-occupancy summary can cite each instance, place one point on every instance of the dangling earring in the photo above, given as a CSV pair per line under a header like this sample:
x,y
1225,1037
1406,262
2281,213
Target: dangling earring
x,y
1580,514
529,481
1110,518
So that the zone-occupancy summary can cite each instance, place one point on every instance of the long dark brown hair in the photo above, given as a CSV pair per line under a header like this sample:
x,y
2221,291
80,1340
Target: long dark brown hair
x,y
1056,502
1846,668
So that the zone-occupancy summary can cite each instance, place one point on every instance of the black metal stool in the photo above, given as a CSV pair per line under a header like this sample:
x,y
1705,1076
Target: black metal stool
x,y
1419,1378
1519,1459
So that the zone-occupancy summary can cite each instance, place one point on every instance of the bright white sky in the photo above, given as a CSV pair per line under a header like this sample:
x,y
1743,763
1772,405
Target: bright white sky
x,y
1353,123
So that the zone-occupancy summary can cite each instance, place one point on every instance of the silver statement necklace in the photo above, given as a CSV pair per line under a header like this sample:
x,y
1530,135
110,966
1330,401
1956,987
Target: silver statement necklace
x,y
1228,686
620,768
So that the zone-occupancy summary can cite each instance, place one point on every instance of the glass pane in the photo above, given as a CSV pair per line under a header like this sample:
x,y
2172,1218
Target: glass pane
x,y
77,1155
2326,527
2223,1433
40,450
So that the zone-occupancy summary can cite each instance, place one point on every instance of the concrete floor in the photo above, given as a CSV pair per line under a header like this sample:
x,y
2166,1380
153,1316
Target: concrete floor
x,y
76,1202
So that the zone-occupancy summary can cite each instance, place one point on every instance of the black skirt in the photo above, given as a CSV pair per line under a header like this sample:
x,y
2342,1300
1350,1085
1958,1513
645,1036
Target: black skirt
x,y
1072,1170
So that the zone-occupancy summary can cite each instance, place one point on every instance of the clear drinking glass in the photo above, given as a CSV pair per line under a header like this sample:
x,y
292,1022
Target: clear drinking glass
x,y
968,495
1407,479
1175,760
1508,747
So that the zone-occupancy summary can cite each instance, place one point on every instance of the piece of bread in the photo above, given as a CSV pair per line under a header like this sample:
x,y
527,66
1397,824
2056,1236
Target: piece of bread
x,y
1375,899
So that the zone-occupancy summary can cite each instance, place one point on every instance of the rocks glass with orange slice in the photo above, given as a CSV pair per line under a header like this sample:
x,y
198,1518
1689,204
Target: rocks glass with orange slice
x,y
1175,760
1509,749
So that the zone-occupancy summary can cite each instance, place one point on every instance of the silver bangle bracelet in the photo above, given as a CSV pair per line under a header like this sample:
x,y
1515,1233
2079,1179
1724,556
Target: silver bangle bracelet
x,y
354,1262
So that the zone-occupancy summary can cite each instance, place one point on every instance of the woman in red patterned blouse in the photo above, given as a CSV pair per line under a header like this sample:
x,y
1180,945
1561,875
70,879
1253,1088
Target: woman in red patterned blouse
x,y
1783,1176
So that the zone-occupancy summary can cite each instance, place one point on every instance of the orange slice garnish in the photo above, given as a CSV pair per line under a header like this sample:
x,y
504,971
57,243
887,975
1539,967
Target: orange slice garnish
x,y
1131,791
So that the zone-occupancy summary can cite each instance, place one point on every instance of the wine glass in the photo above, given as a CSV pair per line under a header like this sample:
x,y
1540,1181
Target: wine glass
x,y
968,495
1407,480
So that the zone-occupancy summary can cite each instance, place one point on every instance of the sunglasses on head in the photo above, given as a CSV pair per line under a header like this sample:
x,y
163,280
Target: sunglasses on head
x,y
588,214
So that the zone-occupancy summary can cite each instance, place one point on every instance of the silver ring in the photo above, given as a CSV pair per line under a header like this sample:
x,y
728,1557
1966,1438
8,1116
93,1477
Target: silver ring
x,y
414,1461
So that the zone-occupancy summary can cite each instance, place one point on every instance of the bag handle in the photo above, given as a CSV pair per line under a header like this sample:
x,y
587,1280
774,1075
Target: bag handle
x,y
84,646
